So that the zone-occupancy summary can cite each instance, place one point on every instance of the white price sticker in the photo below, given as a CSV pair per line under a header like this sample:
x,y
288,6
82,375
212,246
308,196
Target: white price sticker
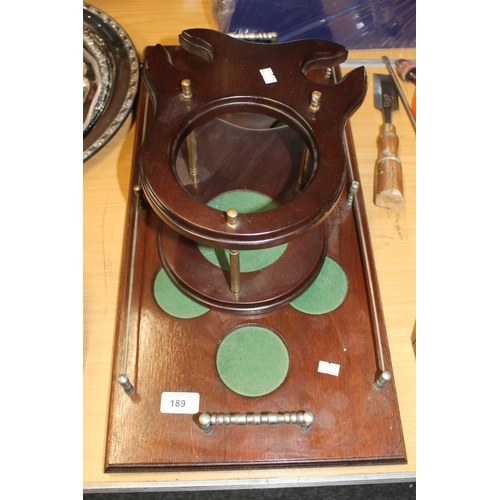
x,y
180,402
268,75
329,368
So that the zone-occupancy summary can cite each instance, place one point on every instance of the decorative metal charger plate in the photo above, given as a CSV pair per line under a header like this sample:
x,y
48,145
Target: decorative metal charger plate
x,y
110,78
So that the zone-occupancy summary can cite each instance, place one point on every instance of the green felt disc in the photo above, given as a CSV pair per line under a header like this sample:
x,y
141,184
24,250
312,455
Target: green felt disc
x,y
245,202
252,360
173,301
327,292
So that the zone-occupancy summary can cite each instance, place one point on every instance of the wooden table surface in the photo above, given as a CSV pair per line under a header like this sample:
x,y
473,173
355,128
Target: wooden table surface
x,y
105,182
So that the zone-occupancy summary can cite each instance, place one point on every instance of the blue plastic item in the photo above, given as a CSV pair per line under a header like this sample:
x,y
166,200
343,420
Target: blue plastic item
x,y
355,24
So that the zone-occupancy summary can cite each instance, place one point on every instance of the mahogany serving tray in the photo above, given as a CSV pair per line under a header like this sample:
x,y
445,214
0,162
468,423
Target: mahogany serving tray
x,y
354,424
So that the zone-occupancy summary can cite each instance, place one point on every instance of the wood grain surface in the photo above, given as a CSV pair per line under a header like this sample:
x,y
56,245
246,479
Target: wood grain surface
x,y
354,424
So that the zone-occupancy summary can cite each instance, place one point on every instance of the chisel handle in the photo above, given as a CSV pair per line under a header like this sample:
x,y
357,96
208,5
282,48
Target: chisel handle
x,y
388,170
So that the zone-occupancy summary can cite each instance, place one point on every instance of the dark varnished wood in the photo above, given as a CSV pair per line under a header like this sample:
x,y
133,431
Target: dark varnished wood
x,y
262,290
231,82
235,157
354,424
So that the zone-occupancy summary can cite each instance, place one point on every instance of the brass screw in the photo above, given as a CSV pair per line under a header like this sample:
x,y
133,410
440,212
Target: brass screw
x,y
315,98
232,217
186,88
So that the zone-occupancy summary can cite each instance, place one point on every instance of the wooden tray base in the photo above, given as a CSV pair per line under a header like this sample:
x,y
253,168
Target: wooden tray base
x,y
354,424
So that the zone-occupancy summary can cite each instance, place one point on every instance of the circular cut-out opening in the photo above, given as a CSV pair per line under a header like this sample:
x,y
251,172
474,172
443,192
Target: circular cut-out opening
x,y
252,360
244,151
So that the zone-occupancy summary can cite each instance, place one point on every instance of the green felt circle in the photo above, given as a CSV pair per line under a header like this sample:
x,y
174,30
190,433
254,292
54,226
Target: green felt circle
x,y
173,301
327,292
252,360
245,202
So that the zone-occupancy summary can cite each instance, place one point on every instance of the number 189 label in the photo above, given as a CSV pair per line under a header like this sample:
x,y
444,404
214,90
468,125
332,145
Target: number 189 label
x,y
180,402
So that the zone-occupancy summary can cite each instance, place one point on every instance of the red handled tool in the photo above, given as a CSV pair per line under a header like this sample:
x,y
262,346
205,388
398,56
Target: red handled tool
x,y
407,71
409,112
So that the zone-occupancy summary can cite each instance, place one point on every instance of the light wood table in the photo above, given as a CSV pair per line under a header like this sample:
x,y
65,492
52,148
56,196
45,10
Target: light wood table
x,y
106,180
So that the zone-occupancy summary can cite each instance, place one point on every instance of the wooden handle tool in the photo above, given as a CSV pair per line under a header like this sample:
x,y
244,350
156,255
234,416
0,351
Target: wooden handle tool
x,y
388,170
